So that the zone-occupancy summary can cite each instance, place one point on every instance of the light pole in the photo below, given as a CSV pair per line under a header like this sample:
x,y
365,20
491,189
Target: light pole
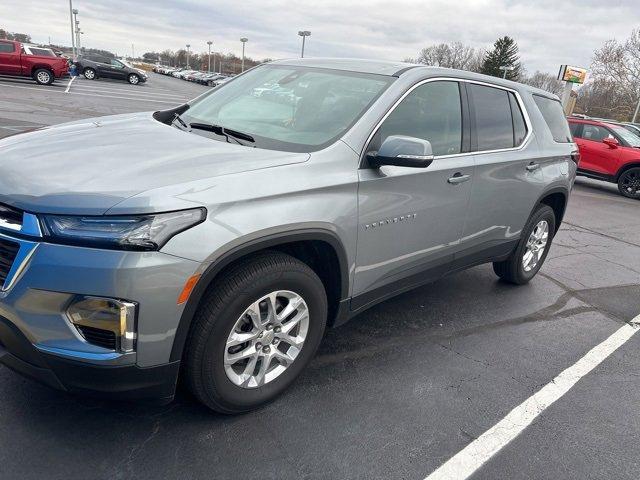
x,y
243,40
188,55
209,43
72,13
506,69
635,115
303,34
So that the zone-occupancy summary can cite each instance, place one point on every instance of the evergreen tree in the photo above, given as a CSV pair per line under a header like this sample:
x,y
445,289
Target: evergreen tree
x,y
504,54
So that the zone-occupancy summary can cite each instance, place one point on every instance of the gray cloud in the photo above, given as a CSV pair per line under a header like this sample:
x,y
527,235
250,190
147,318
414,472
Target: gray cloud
x,y
549,32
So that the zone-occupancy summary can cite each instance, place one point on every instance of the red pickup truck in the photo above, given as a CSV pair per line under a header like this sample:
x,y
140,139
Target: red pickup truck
x,y
16,59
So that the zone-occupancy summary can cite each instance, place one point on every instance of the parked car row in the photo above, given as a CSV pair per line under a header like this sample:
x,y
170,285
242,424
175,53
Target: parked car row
x,y
609,151
211,79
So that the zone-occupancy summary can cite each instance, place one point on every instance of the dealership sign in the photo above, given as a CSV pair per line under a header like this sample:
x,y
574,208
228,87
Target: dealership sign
x,y
572,74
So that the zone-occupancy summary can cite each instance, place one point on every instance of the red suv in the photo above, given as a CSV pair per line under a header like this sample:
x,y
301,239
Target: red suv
x,y
608,152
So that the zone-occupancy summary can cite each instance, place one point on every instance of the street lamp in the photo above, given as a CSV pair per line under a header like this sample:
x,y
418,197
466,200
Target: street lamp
x,y
188,55
73,36
303,34
209,43
506,69
243,40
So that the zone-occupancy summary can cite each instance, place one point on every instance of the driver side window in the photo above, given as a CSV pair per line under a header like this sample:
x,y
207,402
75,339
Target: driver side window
x,y
432,112
116,64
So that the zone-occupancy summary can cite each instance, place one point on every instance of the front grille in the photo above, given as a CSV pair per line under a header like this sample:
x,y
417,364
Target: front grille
x,y
11,217
99,337
8,252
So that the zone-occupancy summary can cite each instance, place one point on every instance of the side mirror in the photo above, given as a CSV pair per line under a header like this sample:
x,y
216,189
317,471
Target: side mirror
x,y
402,151
611,142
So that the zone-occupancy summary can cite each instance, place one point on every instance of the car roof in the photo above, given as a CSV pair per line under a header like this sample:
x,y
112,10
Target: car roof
x,y
396,69
593,121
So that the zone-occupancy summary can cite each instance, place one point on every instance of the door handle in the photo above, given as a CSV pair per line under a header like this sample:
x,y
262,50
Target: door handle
x,y
458,178
533,166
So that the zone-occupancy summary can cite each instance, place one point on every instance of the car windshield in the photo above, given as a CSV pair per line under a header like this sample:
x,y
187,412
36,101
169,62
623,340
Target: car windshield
x,y
631,138
297,109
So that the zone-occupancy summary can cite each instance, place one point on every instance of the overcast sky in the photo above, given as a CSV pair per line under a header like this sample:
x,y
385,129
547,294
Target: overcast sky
x,y
549,32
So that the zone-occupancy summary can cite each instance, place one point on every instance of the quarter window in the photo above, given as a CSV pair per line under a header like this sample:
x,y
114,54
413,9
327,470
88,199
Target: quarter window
x,y
6,47
493,118
432,112
553,114
519,125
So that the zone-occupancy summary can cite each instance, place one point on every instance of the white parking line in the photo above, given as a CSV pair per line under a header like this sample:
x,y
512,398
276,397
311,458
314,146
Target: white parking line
x,y
101,88
69,84
144,100
466,462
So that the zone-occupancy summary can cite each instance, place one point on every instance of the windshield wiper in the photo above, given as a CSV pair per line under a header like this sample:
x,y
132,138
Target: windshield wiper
x,y
225,132
182,122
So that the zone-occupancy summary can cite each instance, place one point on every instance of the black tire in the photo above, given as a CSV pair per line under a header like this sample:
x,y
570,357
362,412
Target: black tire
x,y
512,269
629,183
89,73
217,314
42,76
211,83
133,79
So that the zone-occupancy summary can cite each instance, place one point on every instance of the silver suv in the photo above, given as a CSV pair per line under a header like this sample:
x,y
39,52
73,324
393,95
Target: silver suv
x,y
218,240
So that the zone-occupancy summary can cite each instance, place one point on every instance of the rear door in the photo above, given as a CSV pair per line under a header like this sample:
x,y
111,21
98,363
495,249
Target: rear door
x,y
411,219
9,59
596,156
508,177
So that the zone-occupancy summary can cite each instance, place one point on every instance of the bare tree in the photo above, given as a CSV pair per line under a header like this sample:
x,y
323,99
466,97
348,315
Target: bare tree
x,y
449,55
545,81
618,64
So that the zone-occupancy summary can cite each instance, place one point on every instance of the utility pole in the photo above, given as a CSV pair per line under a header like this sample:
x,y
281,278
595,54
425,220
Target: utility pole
x,y
209,43
133,52
303,34
506,69
188,45
73,35
243,40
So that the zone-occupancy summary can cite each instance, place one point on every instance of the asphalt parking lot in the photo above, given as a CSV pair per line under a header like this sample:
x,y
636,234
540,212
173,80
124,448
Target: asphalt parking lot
x,y
396,392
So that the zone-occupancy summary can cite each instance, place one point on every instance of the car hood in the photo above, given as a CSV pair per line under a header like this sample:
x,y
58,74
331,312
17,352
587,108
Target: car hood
x,y
89,166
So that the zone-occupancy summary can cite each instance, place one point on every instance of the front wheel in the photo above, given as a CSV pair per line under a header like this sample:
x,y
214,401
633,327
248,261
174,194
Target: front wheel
x,y
629,183
134,79
533,247
255,331
43,76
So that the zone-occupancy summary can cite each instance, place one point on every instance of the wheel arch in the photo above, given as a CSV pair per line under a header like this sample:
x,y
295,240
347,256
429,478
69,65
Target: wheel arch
x,y
41,66
625,167
557,198
308,245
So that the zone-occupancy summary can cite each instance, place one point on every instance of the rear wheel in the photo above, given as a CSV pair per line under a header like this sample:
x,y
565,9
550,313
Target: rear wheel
x,y
43,76
254,332
89,73
134,79
531,252
629,183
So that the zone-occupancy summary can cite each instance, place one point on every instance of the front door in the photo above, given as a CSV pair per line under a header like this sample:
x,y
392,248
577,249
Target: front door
x,y
411,219
595,155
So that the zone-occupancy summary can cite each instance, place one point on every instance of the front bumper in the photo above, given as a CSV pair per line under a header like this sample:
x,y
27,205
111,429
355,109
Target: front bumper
x,y
38,340
127,382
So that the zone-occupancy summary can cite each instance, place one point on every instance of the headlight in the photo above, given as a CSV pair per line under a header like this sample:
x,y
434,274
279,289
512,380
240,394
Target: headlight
x,y
123,232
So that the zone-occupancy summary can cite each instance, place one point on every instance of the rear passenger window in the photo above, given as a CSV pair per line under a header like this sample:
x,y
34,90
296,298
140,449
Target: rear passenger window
x,y
553,114
575,130
432,112
6,47
493,119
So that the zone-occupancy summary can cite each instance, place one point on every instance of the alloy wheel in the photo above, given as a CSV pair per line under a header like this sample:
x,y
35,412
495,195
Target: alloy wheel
x,y
89,74
536,245
630,183
266,339
133,79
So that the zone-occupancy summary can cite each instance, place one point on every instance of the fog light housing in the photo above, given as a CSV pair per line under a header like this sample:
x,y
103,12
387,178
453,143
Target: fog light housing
x,y
106,322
